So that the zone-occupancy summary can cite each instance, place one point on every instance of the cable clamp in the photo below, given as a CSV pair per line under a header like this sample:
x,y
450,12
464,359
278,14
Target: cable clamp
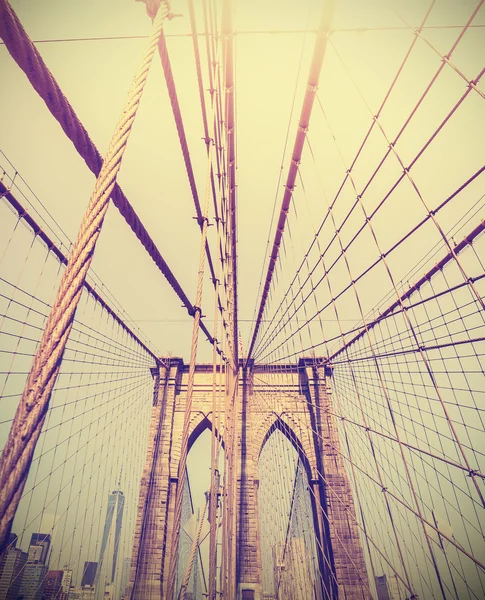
x,y
295,163
302,129
202,220
472,472
312,88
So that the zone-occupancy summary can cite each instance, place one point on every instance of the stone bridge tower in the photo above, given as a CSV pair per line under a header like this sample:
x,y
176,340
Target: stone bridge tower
x,y
297,399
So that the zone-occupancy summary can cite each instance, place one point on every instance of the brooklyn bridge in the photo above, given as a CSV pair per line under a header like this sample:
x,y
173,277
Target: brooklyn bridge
x,y
242,281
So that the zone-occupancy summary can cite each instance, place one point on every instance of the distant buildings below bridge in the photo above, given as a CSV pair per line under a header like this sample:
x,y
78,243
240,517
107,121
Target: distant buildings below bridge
x,y
26,575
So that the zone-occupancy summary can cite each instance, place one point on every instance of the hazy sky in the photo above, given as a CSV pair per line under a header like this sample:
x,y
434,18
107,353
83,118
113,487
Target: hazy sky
x,y
271,71
95,76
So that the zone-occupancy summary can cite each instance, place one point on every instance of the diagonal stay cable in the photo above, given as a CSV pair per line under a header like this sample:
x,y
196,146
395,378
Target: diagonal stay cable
x,y
30,61
33,406
54,249
310,93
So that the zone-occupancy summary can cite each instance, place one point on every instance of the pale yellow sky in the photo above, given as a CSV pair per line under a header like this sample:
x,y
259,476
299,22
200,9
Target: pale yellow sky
x,y
271,71
95,76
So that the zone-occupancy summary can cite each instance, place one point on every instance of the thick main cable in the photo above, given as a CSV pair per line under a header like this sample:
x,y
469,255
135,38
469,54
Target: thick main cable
x,y
306,111
31,412
30,61
38,231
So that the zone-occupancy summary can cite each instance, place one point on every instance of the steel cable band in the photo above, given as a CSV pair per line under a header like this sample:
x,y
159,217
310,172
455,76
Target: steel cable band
x,y
32,410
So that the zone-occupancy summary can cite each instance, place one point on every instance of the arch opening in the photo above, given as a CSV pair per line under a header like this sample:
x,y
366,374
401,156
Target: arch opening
x,y
288,540
196,483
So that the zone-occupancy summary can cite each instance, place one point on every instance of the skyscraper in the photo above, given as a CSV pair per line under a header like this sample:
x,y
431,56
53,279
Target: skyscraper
x,y
66,582
394,588
89,573
381,588
293,577
12,564
32,584
53,585
125,575
116,503
39,548
35,570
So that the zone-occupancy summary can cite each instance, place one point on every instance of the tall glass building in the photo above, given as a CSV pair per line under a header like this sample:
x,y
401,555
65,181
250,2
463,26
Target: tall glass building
x,y
114,512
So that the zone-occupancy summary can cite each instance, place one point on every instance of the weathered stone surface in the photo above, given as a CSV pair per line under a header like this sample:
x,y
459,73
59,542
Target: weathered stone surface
x,y
297,398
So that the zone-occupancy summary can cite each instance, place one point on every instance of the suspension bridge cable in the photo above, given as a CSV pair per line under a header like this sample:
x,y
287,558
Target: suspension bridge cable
x,y
392,495
30,61
190,386
230,131
52,247
310,92
172,91
245,32
31,412
372,125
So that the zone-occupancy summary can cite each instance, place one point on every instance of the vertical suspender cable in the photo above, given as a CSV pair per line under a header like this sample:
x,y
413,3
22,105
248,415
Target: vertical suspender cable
x,y
190,388
31,412
231,249
30,61
228,58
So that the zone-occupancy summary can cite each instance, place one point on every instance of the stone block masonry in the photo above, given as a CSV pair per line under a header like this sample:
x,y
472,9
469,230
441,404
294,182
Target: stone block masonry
x,y
296,398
